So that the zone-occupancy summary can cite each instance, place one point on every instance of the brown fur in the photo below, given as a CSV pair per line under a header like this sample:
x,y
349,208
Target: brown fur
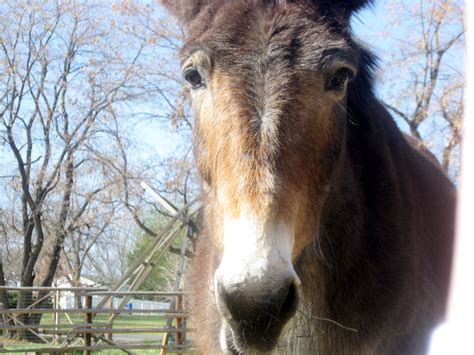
x,y
373,214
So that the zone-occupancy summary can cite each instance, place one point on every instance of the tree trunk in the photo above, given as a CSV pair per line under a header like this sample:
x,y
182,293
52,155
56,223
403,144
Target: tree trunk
x,y
26,299
4,302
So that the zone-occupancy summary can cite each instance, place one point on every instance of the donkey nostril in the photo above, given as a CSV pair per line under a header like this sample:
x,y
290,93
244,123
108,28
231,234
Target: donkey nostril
x,y
255,314
290,302
247,305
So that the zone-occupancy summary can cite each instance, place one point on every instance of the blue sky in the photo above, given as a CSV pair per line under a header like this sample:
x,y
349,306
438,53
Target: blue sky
x,y
369,24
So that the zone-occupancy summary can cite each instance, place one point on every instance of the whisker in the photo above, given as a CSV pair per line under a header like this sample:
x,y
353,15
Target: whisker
x,y
330,321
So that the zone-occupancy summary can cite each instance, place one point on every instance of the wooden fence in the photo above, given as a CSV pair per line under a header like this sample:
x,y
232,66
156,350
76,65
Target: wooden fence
x,y
99,320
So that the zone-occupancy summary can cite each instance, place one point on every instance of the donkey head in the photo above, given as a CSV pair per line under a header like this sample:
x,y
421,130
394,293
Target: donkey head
x,y
269,82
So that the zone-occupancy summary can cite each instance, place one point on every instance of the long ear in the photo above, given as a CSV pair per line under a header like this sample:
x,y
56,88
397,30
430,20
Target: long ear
x,y
352,5
347,7
184,10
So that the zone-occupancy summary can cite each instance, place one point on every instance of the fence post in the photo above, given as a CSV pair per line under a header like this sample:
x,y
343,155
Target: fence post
x,y
109,327
88,319
179,321
56,314
184,321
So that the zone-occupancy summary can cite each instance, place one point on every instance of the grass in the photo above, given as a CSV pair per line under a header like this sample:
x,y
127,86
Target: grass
x,y
24,345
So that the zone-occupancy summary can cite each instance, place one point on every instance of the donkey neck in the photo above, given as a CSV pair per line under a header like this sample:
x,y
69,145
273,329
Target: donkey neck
x,y
352,250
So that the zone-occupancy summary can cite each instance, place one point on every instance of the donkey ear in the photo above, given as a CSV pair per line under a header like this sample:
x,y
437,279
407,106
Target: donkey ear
x,y
184,10
347,7
354,5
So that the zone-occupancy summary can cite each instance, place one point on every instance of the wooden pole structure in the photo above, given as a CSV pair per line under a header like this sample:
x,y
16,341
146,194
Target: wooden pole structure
x,y
88,318
87,336
156,244
176,303
179,321
56,314
190,229
149,264
110,334
159,245
163,201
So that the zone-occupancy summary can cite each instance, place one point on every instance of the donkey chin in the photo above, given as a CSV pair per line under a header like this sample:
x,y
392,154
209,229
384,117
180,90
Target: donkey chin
x,y
254,312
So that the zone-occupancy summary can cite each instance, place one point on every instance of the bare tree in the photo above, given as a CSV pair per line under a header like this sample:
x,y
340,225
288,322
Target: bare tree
x,y
67,76
426,74
74,80
107,260
5,304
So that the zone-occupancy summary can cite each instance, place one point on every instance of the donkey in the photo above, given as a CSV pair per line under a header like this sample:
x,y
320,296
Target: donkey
x,y
326,231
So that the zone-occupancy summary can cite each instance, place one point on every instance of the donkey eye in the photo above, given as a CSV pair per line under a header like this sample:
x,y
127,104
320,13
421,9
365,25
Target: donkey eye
x,y
192,76
339,79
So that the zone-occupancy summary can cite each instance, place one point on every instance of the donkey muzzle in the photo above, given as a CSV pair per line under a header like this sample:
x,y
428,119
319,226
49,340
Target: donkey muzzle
x,y
256,313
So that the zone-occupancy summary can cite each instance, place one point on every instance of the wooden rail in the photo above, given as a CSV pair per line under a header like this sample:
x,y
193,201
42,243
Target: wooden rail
x,y
49,289
173,312
85,329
